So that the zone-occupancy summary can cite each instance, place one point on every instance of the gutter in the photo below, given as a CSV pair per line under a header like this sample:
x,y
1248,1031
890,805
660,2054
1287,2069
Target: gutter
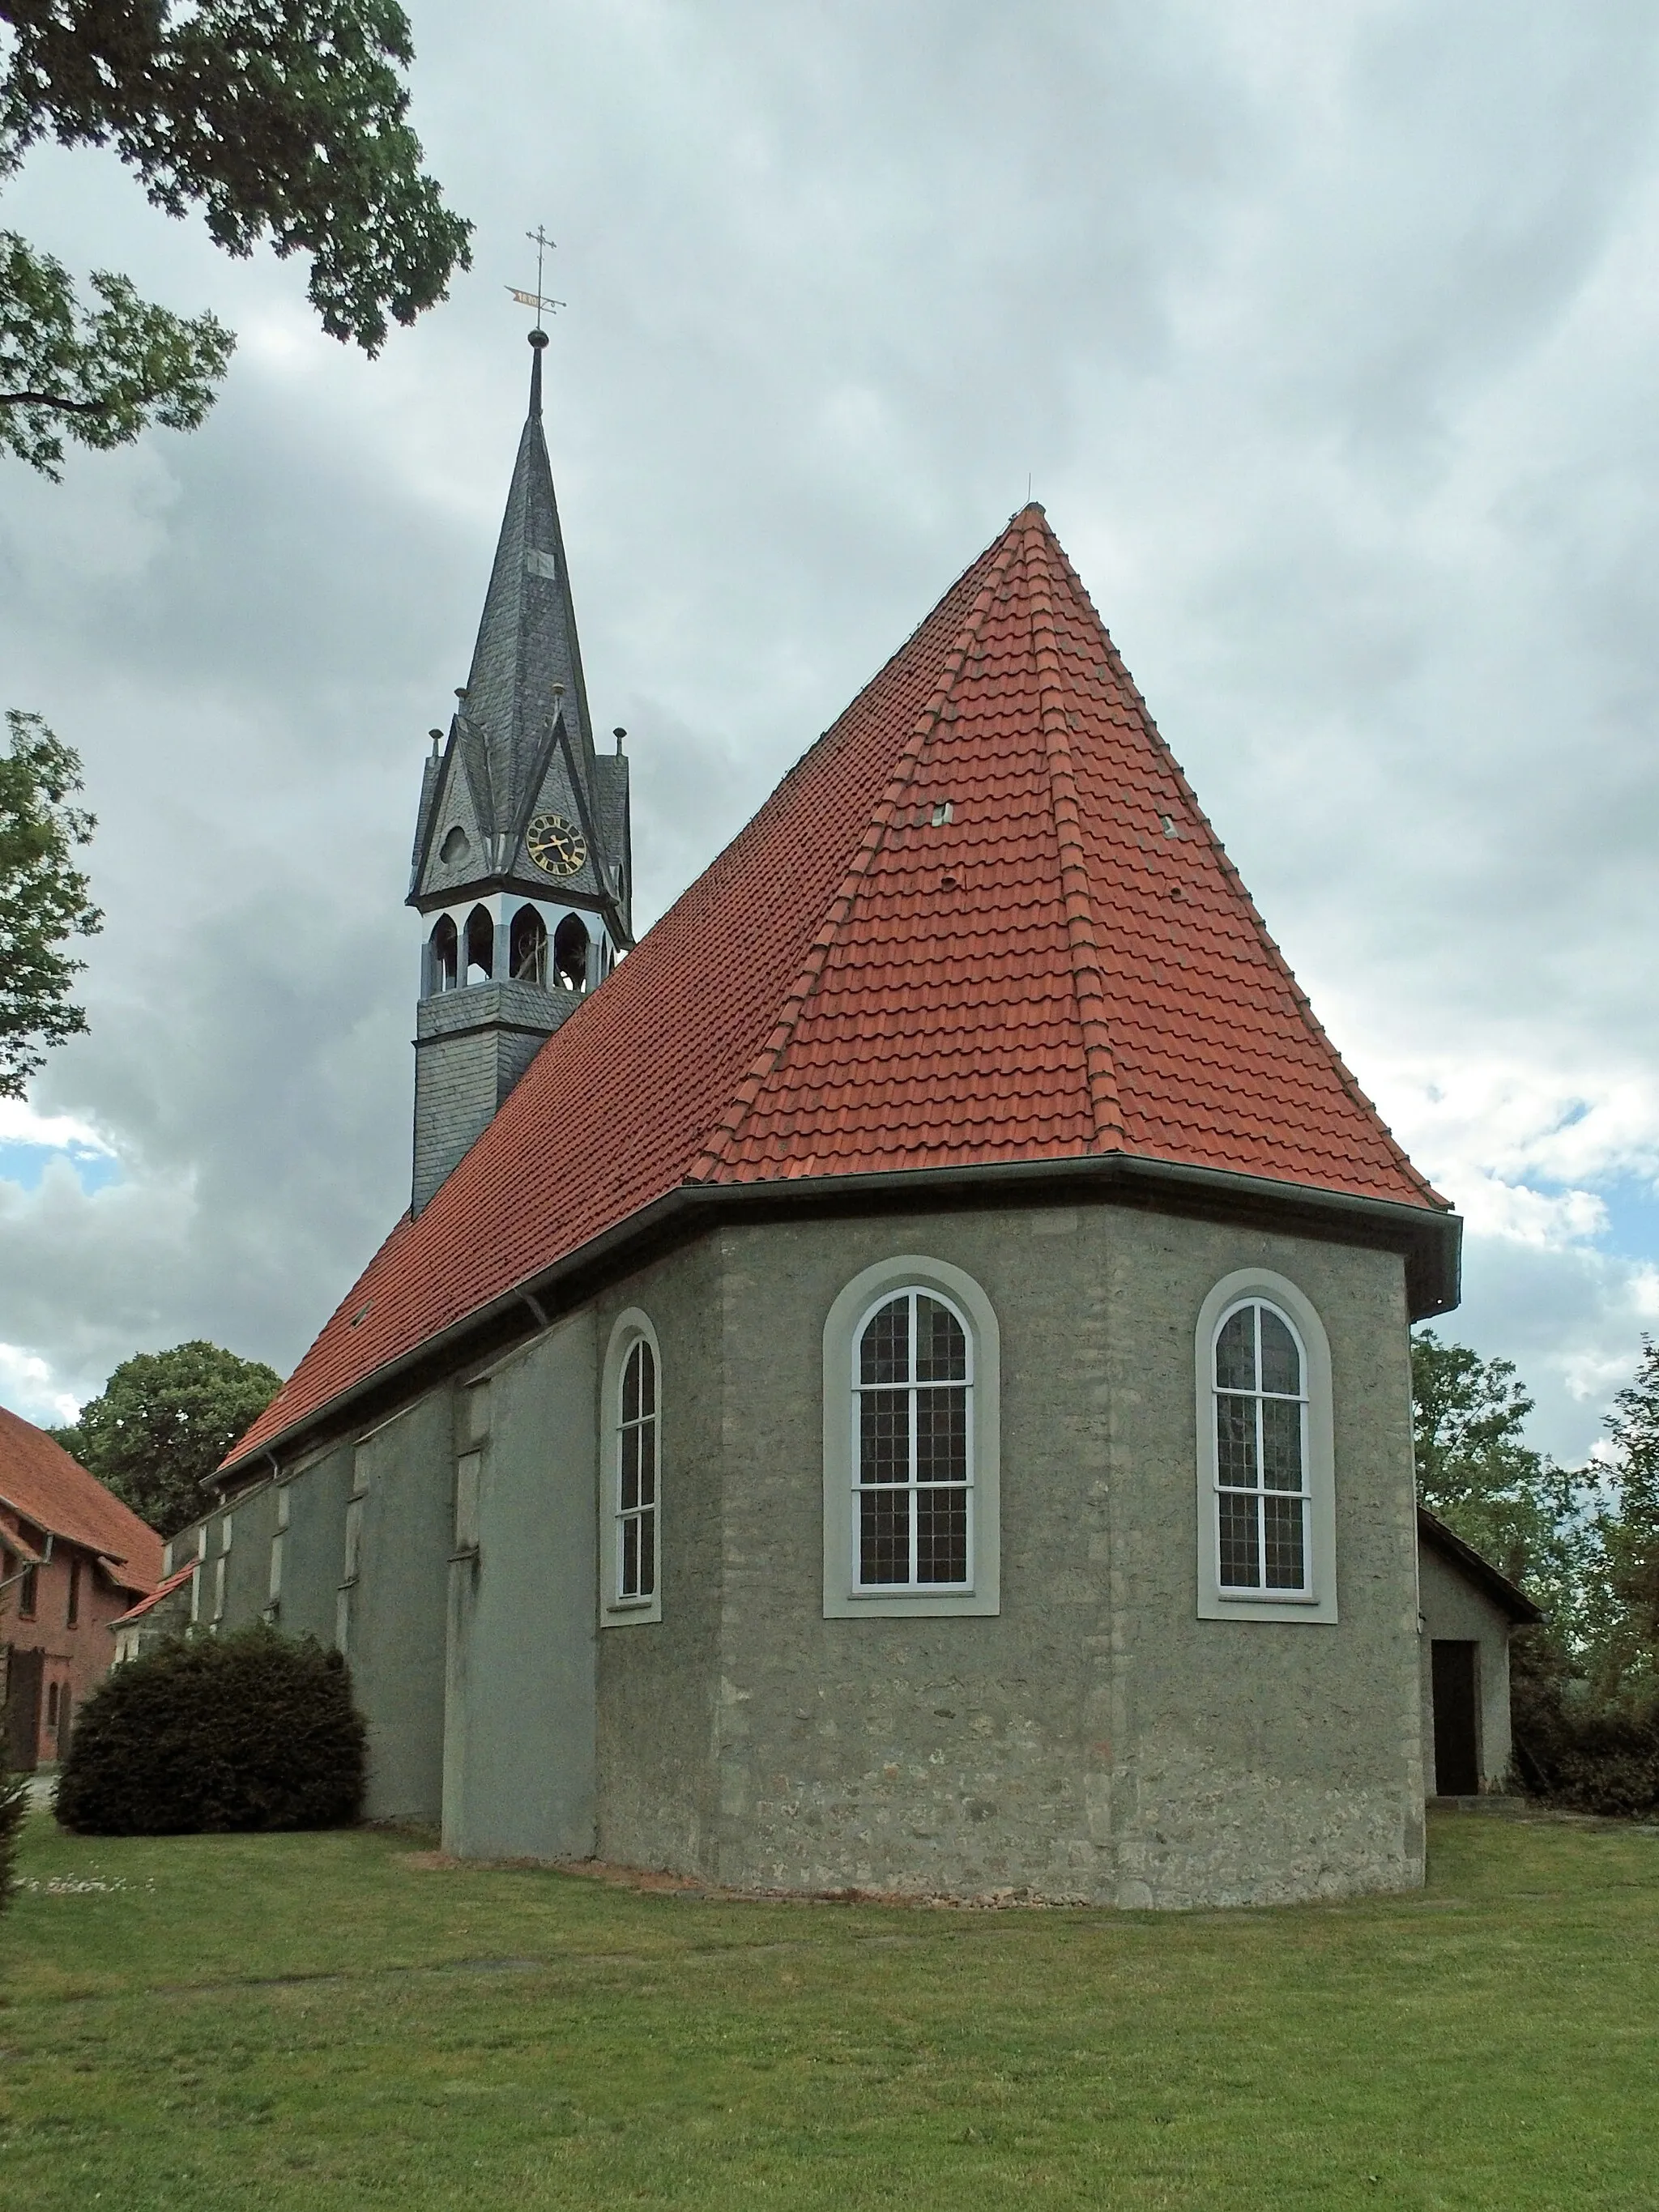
x,y
1431,1241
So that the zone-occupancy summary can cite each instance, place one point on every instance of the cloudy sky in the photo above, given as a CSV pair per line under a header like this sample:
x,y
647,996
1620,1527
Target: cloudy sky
x,y
1328,331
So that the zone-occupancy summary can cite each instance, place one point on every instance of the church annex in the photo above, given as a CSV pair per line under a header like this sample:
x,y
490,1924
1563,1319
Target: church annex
x,y
899,1380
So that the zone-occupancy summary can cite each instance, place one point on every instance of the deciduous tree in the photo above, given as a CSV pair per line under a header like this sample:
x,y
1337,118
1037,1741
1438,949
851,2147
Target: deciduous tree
x,y
164,1421
1476,1470
45,900
1629,1532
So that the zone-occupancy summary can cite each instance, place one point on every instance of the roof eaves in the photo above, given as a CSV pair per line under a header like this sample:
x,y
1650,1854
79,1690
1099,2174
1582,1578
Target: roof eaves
x,y
50,1527
1431,1237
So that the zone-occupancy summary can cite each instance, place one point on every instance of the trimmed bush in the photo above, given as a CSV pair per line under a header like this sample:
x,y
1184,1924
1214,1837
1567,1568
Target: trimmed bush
x,y
211,1733
14,1804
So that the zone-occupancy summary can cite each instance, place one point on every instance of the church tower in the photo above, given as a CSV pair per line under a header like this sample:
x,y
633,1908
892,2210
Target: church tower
x,y
522,872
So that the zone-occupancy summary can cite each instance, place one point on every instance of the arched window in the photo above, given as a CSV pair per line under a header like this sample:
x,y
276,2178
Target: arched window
x,y
527,947
570,954
911,1370
480,946
632,1571
1261,1451
1267,1492
913,1385
442,956
637,1475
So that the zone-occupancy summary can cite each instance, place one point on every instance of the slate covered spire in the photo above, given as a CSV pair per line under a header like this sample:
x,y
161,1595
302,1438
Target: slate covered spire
x,y
521,741
522,863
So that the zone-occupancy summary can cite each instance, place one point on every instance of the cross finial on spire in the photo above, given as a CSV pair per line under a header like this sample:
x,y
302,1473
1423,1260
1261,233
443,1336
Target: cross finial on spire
x,y
538,299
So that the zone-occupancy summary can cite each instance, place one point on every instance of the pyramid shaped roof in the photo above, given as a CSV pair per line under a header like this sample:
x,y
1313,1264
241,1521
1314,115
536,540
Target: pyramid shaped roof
x,y
982,925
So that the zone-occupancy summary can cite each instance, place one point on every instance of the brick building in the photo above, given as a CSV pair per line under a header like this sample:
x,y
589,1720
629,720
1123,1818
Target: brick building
x,y
901,1379
72,1559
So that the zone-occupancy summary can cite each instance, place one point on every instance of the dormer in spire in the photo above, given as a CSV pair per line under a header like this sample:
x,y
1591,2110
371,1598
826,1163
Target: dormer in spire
x,y
522,864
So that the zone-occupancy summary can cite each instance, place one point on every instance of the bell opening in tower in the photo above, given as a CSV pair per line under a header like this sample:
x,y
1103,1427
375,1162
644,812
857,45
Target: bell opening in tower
x,y
527,947
570,953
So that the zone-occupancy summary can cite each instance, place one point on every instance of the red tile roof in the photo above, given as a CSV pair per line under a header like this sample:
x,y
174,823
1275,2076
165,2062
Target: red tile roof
x,y
39,1480
982,919
174,1580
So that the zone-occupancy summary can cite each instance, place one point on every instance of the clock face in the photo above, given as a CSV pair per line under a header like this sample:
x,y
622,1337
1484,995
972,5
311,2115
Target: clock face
x,y
557,847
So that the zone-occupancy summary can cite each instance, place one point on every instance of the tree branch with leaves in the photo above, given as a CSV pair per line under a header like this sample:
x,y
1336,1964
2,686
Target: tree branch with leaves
x,y
280,120
45,899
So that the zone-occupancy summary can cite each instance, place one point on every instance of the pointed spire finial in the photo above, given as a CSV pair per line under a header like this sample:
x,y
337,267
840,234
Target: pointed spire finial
x,y
537,300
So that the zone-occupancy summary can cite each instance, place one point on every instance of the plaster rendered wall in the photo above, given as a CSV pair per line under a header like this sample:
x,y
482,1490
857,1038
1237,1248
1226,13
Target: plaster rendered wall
x,y
394,1614
1453,1608
1094,1739
313,1549
659,1681
519,1764
247,1563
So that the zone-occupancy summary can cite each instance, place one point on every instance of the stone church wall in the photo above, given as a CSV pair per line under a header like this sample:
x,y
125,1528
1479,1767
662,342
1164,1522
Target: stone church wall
x,y
519,1728
658,1682
390,1618
1096,1739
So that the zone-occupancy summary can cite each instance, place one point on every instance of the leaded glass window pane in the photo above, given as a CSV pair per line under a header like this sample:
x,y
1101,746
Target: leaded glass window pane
x,y
885,1536
1234,1352
1281,1362
941,1343
1241,1553
884,1347
1281,1443
1284,1522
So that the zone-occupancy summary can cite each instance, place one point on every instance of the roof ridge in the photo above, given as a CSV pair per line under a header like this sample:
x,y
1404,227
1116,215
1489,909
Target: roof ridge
x,y
718,1143
1088,970
1286,973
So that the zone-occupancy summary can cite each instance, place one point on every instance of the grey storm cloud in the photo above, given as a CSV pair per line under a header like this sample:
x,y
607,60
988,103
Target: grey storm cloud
x,y
1326,332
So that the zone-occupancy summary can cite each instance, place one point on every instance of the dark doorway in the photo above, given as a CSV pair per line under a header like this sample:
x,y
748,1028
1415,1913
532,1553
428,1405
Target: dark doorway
x,y
1457,1726
22,1715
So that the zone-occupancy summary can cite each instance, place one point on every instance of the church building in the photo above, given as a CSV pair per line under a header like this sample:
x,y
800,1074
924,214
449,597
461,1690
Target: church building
x,y
899,1380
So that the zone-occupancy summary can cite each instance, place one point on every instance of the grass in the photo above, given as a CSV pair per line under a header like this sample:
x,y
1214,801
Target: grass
x,y
305,2023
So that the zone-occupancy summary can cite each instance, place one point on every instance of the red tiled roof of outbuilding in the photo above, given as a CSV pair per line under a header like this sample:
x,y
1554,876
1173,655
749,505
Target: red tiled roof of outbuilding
x,y
41,1482
983,919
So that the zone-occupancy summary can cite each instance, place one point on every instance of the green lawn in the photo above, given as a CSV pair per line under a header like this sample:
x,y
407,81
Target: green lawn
x,y
315,2022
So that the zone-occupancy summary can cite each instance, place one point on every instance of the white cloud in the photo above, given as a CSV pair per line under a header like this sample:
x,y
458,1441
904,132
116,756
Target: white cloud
x,y
27,1386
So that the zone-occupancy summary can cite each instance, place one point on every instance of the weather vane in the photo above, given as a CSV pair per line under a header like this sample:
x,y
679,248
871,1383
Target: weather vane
x,y
538,299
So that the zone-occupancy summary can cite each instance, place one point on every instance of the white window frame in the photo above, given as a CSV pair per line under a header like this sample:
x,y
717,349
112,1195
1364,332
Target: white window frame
x,y
1315,1606
845,1598
630,1328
